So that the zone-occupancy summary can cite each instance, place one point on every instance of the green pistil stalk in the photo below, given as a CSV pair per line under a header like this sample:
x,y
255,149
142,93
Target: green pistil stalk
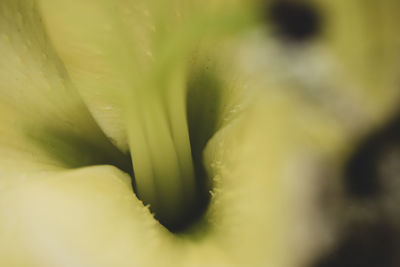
x,y
157,124
161,151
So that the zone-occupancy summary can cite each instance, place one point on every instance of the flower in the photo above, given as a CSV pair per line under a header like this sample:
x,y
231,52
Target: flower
x,y
183,133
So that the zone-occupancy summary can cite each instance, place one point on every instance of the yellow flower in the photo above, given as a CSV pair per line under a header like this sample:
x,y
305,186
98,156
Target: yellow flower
x,y
195,133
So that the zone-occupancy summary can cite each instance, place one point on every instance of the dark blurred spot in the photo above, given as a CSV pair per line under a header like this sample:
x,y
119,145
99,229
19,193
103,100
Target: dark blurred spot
x,y
364,246
362,178
294,21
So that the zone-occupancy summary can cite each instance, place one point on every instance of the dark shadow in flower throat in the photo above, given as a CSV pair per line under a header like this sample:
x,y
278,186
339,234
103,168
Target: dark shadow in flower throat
x,y
72,149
